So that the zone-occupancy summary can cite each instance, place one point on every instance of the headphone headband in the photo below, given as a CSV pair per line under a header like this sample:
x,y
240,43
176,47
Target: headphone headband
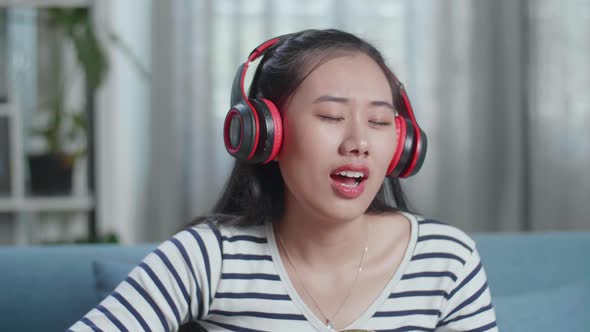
x,y
238,90
258,51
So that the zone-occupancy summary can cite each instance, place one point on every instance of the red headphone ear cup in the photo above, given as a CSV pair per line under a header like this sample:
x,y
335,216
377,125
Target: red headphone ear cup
x,y
403,151
277,140
270,131
418,155
400,134
240,131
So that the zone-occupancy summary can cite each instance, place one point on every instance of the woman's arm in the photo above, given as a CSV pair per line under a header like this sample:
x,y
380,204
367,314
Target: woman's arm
x,y
172,285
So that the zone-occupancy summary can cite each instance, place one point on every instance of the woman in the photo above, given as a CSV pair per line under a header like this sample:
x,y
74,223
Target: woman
x,y
312,232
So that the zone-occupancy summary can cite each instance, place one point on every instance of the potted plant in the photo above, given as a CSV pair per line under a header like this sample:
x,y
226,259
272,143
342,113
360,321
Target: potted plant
x,y
64,130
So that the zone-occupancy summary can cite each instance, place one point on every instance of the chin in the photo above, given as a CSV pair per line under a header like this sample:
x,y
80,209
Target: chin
x,y
345,210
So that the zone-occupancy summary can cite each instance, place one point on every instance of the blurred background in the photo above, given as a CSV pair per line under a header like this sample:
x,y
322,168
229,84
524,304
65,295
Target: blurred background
x,y
111,111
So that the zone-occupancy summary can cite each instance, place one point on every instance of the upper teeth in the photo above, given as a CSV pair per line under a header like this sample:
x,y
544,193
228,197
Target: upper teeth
x,y
351,174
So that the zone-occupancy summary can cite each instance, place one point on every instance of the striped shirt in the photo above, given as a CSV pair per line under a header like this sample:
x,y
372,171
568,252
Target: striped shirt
x,y
231,278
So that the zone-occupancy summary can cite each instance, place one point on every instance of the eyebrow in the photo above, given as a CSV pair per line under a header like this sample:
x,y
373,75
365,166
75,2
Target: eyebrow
x,y
342,100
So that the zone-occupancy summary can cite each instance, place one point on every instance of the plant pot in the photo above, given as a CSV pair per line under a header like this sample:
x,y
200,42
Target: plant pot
x,y
50,174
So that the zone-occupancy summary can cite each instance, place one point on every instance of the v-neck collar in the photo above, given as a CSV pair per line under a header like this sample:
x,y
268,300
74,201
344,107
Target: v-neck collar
x,y
370,311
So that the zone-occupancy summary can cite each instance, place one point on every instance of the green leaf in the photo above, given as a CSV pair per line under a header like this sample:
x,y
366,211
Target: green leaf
x,y
77,26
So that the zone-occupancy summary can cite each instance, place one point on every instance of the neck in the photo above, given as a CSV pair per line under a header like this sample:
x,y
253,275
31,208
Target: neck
x,y
322,242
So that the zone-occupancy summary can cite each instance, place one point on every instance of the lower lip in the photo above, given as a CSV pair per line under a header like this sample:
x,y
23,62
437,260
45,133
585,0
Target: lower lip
x,y
347,191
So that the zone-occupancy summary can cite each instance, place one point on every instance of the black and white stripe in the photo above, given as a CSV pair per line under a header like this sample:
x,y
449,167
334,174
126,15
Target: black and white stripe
x,y
227,279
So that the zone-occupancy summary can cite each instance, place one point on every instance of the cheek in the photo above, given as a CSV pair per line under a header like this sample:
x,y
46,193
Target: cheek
x,y
388,145
305,156
307,140
384,148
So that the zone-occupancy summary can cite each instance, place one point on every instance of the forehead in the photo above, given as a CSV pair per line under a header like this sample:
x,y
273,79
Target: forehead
x,y
352,75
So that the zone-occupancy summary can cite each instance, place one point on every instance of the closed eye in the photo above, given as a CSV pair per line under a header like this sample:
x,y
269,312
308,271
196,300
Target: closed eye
x,y
329,118
379,123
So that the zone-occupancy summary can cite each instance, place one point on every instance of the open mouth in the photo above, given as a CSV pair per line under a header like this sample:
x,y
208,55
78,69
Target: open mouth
x,y
349,178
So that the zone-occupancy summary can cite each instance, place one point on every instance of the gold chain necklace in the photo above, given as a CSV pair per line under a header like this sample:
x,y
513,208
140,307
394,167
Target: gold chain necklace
x,y
329,322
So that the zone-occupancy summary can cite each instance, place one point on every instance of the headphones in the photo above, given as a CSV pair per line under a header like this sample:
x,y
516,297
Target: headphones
x,y
253,130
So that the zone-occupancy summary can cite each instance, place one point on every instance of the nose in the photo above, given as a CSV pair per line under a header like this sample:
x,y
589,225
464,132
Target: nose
x,y
355,142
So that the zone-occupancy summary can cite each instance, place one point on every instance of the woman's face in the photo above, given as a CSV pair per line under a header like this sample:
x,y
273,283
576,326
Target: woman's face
x,y
339,138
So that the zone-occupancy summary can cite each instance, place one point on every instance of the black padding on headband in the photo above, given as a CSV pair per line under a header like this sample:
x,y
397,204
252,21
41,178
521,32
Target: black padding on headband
x,y
248,131
236,88
267,132
422,148
406,155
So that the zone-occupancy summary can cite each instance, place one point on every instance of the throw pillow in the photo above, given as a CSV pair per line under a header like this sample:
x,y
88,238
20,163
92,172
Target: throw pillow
x,y
108,274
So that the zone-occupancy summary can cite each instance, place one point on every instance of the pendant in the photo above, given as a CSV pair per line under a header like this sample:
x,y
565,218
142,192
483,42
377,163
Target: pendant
x,y
329,324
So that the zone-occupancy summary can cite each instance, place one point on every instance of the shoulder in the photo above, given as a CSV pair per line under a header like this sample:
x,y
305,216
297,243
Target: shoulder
x,y
224,233
438,238
429,228
207,243
442,247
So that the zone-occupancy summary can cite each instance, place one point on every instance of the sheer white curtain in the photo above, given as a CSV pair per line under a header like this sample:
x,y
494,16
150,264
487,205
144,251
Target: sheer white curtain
x,y
559,114
182,169
508,114
466,81
499,86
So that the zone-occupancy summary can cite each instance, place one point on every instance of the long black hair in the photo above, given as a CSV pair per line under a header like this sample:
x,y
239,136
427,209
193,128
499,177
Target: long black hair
x,y
255,193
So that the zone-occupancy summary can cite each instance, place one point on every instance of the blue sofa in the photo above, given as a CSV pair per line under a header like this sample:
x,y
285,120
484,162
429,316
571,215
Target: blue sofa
x,y
539,282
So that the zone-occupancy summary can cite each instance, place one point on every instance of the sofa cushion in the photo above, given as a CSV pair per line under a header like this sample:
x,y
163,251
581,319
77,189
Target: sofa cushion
x,y
562,308
518,263
48,288
108,274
